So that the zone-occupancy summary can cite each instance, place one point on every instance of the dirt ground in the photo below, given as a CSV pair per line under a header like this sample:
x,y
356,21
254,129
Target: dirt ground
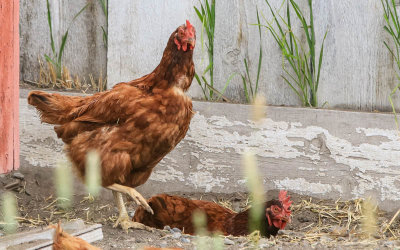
x,y
317,224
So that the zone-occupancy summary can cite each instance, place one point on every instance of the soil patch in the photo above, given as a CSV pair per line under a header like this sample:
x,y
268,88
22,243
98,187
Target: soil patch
x,y
315,223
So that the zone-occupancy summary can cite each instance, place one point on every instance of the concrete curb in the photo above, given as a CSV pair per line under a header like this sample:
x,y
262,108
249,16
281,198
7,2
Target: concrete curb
x,y
323,153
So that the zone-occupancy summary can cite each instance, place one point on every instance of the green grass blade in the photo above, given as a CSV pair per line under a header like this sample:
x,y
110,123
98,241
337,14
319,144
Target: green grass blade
x,y
105,37
63,41
246,93
80,12
248,77
50,27
276,20
48,59
199,15
260,53
321,54
201,86
293,88
303,22
213,89
207,69
290,27
104,4
226,85
392,104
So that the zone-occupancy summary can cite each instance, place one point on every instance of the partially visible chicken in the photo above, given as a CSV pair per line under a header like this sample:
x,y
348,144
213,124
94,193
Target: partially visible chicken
x,y
132,126
175,211
64,241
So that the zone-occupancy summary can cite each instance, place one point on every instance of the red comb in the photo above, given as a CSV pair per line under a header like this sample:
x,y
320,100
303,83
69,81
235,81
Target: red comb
x,y
188,24
286,202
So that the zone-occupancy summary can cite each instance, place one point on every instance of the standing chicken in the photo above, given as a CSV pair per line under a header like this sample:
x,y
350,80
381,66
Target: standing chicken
x,y
132,126
175,211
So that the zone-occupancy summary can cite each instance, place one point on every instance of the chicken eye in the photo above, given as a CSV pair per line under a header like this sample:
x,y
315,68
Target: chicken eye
x,y
276,209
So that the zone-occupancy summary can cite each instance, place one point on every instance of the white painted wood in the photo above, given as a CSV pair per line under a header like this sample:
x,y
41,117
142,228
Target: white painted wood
x,y
139,32
84,52
358,72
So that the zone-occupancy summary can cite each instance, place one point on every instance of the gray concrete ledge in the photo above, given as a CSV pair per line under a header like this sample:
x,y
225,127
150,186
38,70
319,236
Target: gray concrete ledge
x,y
322,153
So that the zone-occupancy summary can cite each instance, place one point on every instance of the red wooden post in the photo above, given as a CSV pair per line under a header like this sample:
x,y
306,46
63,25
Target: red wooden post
x,y
9,85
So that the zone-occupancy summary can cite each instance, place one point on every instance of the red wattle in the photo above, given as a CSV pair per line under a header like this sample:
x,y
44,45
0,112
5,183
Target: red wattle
x,y
269,220
177,43
277,223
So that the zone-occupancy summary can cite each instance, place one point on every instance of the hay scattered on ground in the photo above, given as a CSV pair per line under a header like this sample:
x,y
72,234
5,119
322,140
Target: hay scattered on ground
x,y
48,79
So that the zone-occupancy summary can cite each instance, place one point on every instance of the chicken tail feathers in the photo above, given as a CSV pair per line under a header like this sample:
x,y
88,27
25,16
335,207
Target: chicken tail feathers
x,y
52,108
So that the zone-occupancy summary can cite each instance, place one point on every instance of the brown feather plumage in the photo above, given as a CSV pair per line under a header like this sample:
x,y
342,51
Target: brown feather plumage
x,y
176,211
132,126
64,241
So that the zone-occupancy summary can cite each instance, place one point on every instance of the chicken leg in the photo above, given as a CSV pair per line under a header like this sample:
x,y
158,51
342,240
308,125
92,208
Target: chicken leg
x,y
123,218
135,195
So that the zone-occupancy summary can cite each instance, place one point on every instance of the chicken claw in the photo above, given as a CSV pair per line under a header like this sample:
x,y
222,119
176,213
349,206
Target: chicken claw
x,y
127,223
135,195
140,201
123,218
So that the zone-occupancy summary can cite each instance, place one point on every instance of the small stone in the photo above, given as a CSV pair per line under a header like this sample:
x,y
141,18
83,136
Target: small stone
x,y
303,219
389,244
163,244
138,240
228,242
167,228
179,244
325,238
265,243
262,246
176,235
339,231
18,175
131,213
113,246
176,230
185,240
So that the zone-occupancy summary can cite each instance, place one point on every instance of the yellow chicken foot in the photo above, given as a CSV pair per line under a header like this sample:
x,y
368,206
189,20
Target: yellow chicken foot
x,y
135,195
123,218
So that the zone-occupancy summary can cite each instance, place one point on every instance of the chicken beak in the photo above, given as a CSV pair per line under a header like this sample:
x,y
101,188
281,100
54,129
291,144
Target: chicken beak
x,y
192,43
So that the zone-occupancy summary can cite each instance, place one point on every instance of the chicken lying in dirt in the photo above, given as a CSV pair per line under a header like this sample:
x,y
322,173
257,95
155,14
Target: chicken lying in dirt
x,y
64,241
132,126
175,211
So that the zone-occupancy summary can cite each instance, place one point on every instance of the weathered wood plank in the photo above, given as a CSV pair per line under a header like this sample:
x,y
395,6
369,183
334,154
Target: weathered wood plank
x,y
9,85
43,238
84,52
358,72
323,153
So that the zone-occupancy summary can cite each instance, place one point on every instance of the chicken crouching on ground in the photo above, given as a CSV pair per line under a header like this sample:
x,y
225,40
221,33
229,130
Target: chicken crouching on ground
x,y
175,211
132,126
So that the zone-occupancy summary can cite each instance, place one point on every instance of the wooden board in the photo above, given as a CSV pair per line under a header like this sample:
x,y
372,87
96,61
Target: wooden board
x,y
9,86
43,238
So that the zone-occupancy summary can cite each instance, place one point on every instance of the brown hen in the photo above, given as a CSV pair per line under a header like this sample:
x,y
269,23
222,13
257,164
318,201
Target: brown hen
x,y
64,241
176,211
132,126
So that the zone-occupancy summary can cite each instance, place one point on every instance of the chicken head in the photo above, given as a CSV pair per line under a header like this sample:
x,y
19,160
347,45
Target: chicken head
x,y
185,37
278,212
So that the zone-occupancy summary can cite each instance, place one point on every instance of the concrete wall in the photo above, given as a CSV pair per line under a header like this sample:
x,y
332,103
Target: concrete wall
x,y
322,153
84,52
358,72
